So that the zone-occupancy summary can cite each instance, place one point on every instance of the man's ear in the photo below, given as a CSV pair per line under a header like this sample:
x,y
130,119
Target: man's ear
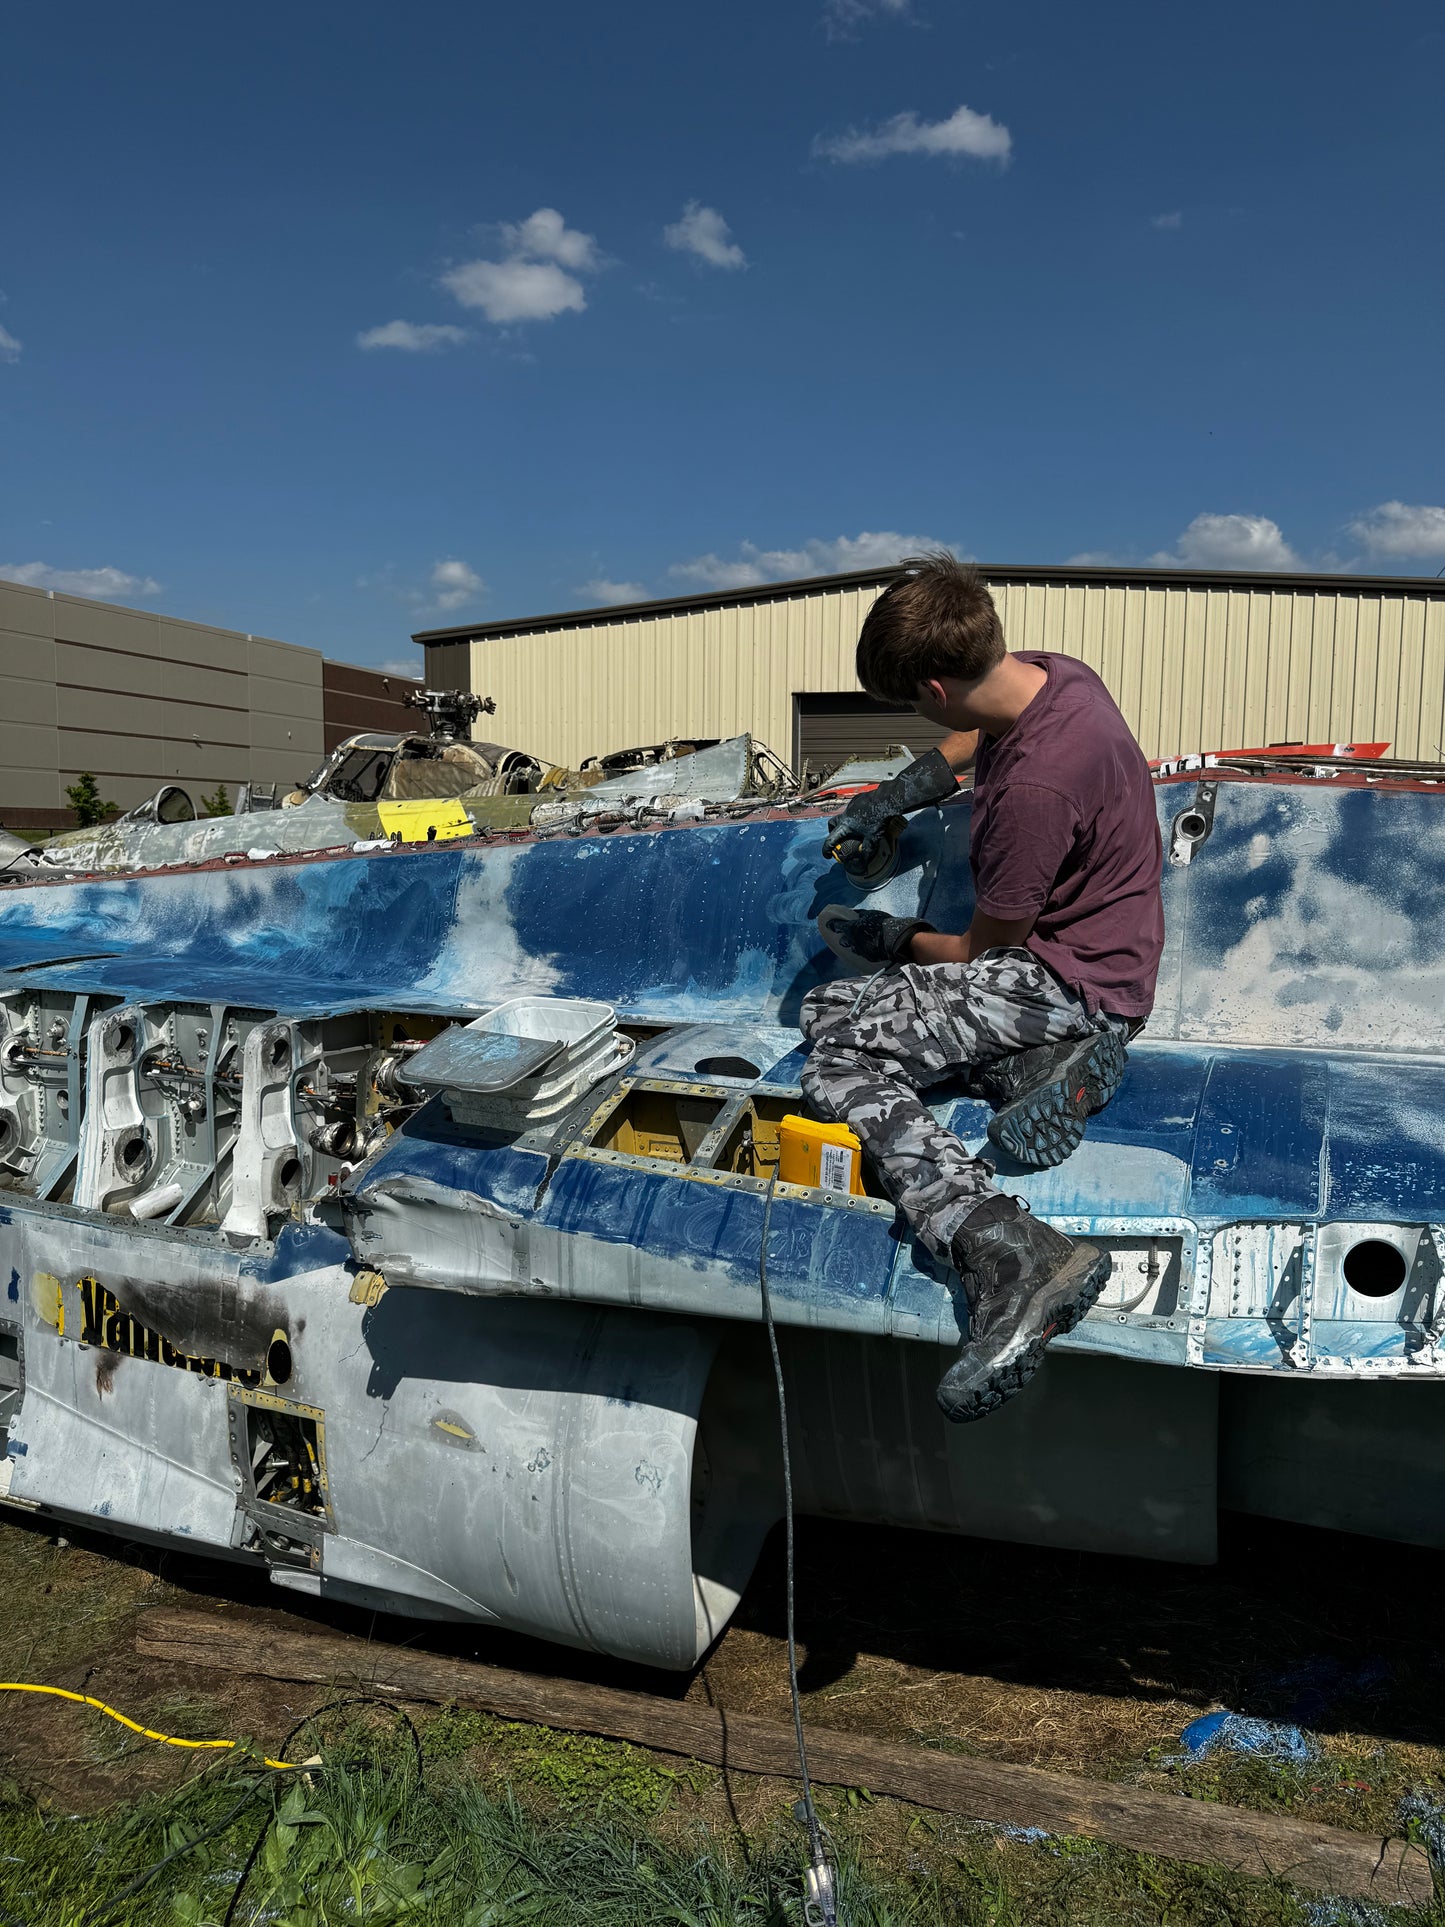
x,y
935,692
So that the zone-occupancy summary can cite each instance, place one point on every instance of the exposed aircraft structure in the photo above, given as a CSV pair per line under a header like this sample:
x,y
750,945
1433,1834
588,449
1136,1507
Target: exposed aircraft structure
x,y
302,1264
403,786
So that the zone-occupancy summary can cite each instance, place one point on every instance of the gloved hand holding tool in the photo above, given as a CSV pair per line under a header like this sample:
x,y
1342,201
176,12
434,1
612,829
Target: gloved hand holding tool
x,y
874,817
868,937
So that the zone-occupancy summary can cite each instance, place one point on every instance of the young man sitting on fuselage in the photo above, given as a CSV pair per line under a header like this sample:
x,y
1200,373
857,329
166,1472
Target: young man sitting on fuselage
x,y
1035,1001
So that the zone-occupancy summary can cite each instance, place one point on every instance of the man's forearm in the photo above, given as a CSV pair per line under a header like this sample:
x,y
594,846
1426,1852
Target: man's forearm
x,y
959,750
935,947
984,933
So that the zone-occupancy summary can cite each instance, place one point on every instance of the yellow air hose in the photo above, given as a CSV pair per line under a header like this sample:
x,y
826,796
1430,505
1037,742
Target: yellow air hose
x,y
146,1733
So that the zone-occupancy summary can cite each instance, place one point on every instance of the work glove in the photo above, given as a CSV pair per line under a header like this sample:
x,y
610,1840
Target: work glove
x,y
868,936
855,836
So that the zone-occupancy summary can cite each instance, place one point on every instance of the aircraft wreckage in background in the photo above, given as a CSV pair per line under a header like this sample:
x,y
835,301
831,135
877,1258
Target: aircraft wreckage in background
x,y
400,786
391,1220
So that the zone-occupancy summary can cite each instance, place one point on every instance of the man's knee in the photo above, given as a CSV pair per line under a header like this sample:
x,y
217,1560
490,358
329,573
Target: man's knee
x,y
824,1006
821,1076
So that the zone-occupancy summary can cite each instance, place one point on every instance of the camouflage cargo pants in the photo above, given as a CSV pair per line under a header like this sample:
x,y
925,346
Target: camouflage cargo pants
x,y
876,1044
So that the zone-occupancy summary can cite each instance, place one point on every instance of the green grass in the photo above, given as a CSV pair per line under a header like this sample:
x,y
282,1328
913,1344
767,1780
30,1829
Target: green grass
x,y
377,1845
377,1848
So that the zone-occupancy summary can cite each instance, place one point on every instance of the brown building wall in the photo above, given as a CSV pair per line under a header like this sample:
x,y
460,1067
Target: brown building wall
x,y
355,699
140,699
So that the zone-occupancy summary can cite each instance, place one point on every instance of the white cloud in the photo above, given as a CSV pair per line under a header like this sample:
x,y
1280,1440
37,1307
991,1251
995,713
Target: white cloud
x,y
1400,528
9,346
395,666
703,231
601,590
110,585
1174,220
964,132
843,18
1229,542
454,584
532,283
844,554
711,571
516,290
545,236
413,337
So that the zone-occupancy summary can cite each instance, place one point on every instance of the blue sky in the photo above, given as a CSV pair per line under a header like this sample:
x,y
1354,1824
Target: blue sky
x,y
334,322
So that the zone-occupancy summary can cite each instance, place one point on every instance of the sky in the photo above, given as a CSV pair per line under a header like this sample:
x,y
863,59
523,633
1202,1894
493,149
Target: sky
x,y
336,322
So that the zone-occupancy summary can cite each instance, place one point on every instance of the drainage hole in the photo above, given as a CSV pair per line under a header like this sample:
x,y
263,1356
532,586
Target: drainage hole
x,y
1191,826
288,1178
133,1154
1374,1269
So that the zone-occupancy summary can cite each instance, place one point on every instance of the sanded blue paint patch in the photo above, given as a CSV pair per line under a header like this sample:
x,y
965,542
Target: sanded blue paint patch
x,y
430,1146
298,1248
1360,1338
1158,1104
817,1255
28,949
1261,1130
1387,1141
1256,1342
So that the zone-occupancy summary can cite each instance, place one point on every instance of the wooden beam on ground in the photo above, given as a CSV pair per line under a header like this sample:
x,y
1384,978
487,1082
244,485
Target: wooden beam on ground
x,y
1321,1859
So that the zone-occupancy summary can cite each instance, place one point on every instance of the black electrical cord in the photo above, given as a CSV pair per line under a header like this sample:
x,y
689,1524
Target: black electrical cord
x,y
352,1699
819,1903
107,1906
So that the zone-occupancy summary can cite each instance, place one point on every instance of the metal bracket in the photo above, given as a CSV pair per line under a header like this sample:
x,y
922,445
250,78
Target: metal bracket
x,y
1193,826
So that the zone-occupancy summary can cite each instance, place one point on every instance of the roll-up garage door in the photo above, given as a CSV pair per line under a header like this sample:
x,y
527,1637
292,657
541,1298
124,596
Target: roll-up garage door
x,y
828,729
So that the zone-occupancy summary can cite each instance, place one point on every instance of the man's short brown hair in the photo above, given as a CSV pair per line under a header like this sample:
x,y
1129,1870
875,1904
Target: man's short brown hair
x,y
936,619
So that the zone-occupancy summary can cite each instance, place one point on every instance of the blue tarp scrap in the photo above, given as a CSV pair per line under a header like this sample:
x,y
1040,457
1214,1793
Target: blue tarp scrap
x,y
1340,1911
1236,1733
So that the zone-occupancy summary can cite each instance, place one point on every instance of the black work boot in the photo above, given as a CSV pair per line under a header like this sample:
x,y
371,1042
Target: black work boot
x,y
1025,1283
1044,1096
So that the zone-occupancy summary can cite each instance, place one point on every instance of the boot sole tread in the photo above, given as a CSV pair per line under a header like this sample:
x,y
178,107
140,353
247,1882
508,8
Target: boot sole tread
x,y
1046,1125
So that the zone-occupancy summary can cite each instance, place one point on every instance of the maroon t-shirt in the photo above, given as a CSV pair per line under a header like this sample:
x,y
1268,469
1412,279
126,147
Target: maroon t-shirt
x,y
1064,831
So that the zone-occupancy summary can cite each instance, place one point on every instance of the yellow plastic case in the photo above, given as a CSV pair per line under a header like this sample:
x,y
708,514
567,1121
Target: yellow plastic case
x,y
827,1157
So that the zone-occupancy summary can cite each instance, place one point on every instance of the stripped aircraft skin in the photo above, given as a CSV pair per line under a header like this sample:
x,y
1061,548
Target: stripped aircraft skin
x,y
519,1377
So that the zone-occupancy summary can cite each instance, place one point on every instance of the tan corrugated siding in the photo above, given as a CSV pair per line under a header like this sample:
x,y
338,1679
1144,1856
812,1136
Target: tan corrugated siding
x,y
1192,667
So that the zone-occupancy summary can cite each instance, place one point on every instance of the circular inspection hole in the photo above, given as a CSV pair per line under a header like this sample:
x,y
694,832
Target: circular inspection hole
x,y
120,1039
726,1067
9,1132
288,1178
1374,1268
133,1155
278,1362
1191,826
278,1051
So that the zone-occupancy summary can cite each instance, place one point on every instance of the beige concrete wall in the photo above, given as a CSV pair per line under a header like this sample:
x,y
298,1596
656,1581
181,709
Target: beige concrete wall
x,y
140,699
1192,667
